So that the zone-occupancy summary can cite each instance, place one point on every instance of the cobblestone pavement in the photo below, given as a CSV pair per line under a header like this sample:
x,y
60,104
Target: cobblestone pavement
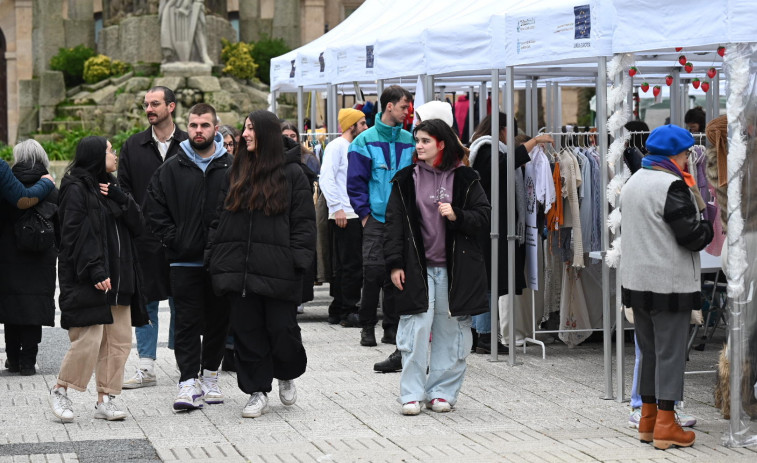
x,y
539,411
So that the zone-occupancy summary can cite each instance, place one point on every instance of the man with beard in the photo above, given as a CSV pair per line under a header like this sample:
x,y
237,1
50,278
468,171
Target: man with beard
x,y
140,157
344,225
179,207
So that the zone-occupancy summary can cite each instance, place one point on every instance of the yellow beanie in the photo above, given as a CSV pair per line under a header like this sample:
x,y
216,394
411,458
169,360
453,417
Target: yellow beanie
x,y
349,117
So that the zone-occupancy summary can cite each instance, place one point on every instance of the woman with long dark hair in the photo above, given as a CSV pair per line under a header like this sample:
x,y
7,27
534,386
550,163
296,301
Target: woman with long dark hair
x,y
260,246
99,279
436,208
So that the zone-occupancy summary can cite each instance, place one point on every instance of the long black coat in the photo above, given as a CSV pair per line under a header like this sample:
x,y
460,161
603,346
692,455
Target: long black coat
x,y
403,245
96,244
266,255
27,281
138,161
482,164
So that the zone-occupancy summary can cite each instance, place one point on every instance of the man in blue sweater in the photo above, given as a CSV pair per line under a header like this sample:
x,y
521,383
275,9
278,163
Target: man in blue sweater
x,y
373,159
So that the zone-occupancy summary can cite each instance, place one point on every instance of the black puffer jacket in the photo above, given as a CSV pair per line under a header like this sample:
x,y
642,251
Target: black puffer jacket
x,y
180,204
403,245
251,252
138,160
96,244
27,285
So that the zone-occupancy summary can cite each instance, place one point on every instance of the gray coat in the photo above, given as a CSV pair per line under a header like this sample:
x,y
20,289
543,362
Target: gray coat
x,y
662,234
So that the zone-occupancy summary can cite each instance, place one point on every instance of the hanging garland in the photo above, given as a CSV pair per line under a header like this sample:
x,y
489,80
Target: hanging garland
x,y
737,64
617,106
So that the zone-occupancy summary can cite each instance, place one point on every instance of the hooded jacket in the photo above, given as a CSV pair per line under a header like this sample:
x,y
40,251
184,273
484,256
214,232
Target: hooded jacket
x,y
181,201
96,243
373,158
404,249
251,252
138,160
27,285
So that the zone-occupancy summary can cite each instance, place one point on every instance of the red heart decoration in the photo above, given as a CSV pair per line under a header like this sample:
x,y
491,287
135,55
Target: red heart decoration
x,y
644,87
689,67
711,72
695,83
656,90
669,80
705,86
721,51
682,59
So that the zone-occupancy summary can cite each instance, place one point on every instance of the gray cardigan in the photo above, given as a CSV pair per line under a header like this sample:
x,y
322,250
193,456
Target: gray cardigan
x,y
662,232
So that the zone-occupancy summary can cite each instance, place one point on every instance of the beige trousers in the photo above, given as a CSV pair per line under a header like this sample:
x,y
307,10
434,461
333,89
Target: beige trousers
x,y
99,348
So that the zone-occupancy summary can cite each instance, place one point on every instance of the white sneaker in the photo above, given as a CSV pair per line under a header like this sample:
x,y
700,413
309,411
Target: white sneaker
x,y
255,407
108,410
439,405
209,383
301,309
411,408
61,405
190,396
684,419
634,417
142,378
287,392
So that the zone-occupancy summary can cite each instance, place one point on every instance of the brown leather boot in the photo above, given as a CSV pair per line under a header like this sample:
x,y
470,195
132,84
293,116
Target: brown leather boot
x,y
668,432
647,421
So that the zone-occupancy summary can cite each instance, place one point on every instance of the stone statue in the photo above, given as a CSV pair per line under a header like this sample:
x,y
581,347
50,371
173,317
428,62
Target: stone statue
x,y
182,31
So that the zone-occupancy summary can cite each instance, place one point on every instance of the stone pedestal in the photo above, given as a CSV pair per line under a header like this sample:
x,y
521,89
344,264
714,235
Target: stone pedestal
x,y
185,69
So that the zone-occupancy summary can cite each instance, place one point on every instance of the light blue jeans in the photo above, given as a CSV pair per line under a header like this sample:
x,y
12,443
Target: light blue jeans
x,y
451,341
482,323
635,396
147,336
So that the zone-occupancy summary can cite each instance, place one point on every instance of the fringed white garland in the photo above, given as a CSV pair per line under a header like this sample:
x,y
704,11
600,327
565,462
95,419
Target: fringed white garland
x,y
617,106
737,65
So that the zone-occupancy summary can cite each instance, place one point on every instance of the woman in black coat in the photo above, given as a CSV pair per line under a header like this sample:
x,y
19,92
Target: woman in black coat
x,y
27,288
99,279
261,245
436,208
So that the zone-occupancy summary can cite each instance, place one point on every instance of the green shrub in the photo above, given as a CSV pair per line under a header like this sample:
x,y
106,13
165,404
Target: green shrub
x,y
238,60
118,68
96,69
120,138
71,61
262,52
6,152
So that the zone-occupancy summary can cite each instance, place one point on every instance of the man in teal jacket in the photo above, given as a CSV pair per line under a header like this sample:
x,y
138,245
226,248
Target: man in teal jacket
x,y
373,159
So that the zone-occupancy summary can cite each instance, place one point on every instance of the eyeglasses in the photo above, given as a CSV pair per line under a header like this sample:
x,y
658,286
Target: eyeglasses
x,y
112,151
228,145
154,104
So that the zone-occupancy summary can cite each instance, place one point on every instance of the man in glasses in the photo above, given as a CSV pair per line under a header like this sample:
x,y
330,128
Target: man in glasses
x,y
141,156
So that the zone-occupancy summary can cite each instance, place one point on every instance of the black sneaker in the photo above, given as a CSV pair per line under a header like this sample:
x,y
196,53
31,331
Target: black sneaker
x,y
368,337
350,321
390,336
391,364
13,367
333,320
485,345
27,370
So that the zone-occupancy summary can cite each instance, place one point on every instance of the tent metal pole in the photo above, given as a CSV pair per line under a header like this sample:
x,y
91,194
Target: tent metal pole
x,y
482,94
379,91
494,274
430,88
558,107
301,109
471,125
510,111
274,107
534,106
619,336
602,139
548,110
716,95
313,110
675,93
332,111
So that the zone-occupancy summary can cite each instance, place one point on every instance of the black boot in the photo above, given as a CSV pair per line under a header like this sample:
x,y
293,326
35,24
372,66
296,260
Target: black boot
x,y
485,345
11,366
391,364
228,363
390,336
368,336
475,340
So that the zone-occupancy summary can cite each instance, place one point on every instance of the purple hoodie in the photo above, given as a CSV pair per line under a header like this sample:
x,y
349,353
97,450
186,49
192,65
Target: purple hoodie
x,y
433,186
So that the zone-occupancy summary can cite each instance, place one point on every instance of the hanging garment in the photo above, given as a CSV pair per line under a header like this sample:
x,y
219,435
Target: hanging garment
x,y
568,165
555,217
574,315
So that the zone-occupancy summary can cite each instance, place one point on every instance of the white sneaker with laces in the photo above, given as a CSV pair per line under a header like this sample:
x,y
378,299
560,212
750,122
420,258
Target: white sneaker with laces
x,y
211,393
439,405
634,417
189,397
287,392
684,419
108,410
411,408
61,405
256,405
141,378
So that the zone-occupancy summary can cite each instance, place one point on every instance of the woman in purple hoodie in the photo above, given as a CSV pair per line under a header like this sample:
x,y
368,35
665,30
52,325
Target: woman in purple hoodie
x,y
436,207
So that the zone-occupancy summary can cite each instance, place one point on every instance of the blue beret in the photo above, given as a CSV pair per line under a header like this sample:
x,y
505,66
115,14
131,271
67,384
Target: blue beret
x,y
669,140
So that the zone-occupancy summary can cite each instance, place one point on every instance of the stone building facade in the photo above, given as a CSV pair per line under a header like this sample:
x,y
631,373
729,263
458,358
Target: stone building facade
x,y
32,31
